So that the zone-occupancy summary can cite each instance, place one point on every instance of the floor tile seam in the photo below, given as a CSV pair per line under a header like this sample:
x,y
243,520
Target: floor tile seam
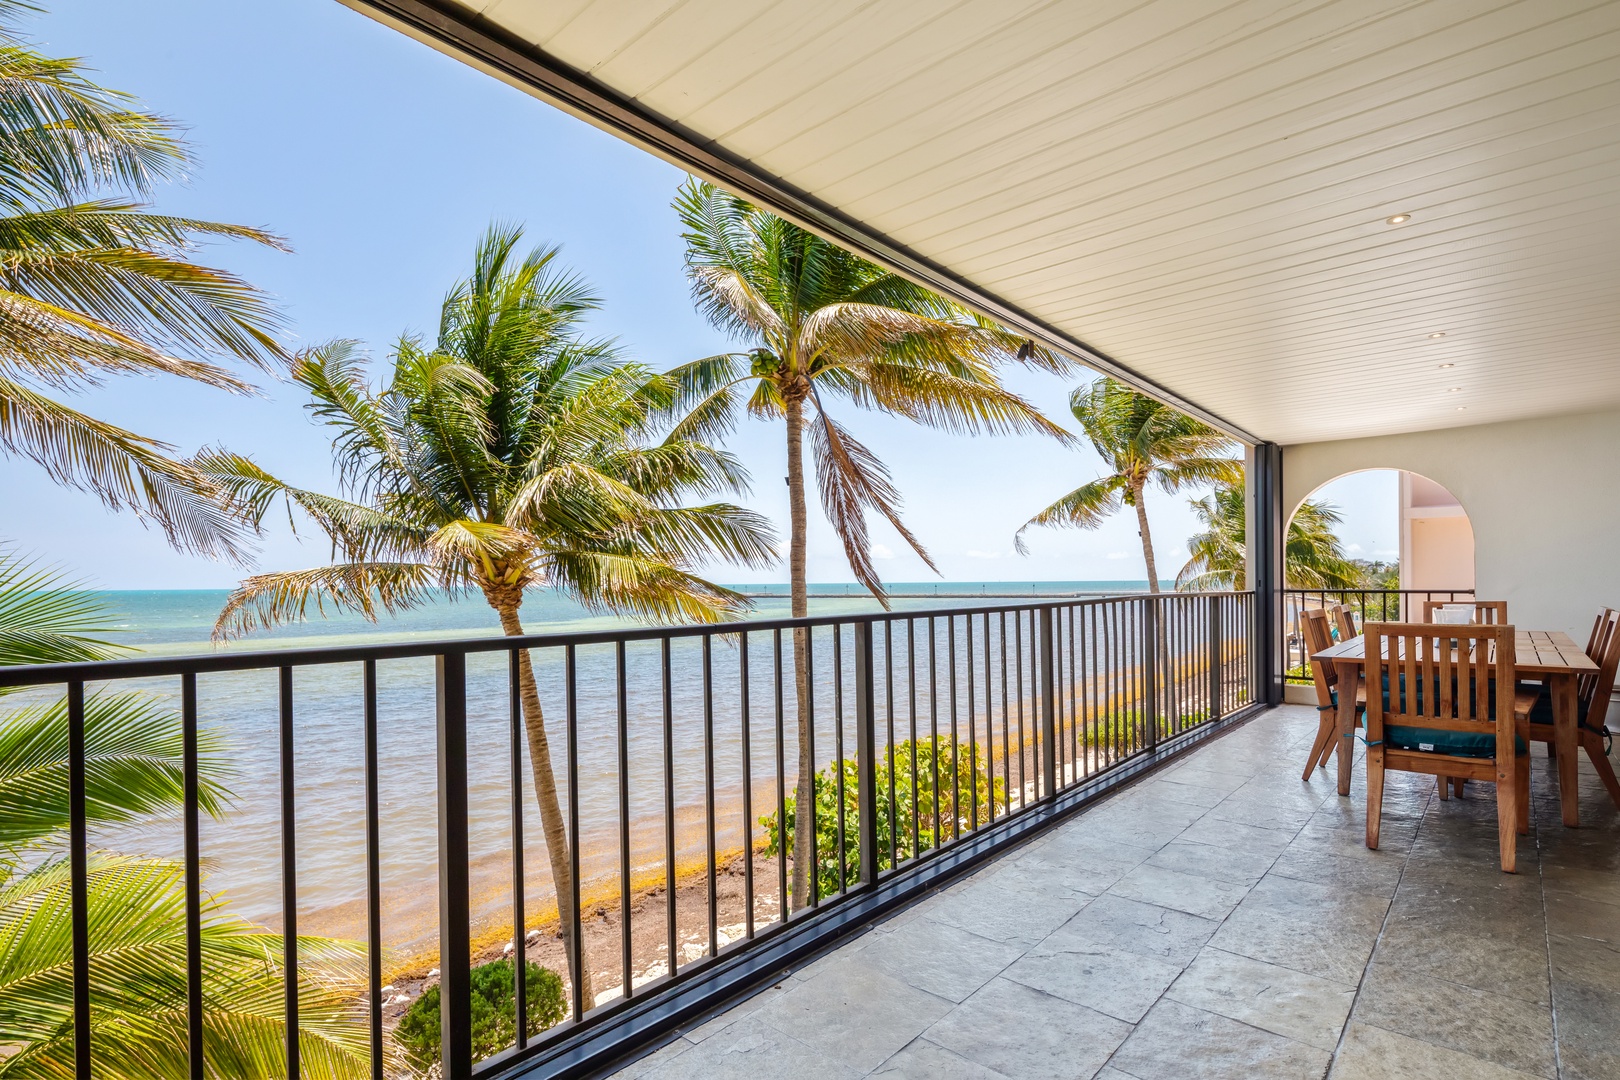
x,y
1222,1016
1383,928
1546,928
804,1046
923,1038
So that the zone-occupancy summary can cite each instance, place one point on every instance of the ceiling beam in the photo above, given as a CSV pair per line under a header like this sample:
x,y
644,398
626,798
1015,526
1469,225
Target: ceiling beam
x,y
458,32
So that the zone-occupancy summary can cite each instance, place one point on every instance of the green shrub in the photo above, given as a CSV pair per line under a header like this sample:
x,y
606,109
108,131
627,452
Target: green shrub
x,y
494,1012
961,790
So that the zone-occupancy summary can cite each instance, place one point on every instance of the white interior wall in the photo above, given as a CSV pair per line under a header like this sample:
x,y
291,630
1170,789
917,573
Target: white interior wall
x,y
1541,496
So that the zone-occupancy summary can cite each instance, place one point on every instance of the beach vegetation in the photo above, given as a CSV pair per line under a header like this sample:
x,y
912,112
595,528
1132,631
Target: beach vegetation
x,y
510,452
96,285
949,784
1144,444
135,904
494,1012
825,328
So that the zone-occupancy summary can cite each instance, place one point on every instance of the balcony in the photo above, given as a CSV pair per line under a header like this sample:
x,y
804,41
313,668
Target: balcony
x,y
1220,919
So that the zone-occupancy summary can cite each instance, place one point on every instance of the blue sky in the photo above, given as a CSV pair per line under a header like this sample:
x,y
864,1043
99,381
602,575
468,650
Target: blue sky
x,y
381,162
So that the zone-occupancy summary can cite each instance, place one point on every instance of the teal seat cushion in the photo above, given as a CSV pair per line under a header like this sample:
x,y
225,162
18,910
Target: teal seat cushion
x,y
1481,744
1542,711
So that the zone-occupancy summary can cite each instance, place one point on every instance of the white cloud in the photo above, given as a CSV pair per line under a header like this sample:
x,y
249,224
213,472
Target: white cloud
x,y
882,551
1117,555
986,554
1354,549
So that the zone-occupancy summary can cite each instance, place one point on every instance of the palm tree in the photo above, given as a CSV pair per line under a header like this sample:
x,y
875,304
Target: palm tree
x,y
825,325
92,285
1145,443
1313,556
136,904
514,453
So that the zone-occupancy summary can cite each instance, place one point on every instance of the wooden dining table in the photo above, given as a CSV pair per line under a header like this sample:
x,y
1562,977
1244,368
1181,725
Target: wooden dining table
x,y
1549,656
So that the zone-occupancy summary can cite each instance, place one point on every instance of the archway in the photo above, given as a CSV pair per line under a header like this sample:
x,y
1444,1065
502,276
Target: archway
x,y
1380,541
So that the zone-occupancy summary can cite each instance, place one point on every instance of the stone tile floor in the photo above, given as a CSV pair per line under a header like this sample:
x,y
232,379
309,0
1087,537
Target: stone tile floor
x,y
1222,919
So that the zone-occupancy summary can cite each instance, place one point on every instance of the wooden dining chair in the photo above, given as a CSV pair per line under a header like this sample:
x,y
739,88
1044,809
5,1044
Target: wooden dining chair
x,y
1593,693
1449,711
1314,626
1486,612
1344,621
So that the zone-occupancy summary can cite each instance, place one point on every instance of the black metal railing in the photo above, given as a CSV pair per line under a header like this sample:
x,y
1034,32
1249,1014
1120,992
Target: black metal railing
x,y
676,752
1380,605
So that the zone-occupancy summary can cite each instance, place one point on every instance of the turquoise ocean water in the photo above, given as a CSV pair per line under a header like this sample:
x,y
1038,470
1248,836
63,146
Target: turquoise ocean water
x,y
243,851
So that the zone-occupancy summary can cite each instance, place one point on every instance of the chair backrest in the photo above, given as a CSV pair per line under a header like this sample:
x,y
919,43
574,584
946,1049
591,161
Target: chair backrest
x,y
1344,620
1486,612
1313,625
1595,691
1429,683
1600,628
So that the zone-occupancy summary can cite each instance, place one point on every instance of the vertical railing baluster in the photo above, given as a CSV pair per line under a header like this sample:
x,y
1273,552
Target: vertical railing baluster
x,y
1150,669
782,884
914,825
972,731
668,689
626,962
747,786
989,727
933,722
289,878
374,948
956,761
1216,661
888,687
808,722
865,756
455,896
79,880
193,840
520,921
1006,723
708,794
1023,738
1048,707
838,752
576,929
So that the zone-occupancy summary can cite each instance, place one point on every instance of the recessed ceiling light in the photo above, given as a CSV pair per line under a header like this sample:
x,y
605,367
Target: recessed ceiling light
x,y
1439,335
1454,389
1398,219
1462,408
1444,366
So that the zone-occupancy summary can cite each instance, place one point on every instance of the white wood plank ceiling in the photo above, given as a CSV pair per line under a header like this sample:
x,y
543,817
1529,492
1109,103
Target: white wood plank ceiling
x,y
1198,189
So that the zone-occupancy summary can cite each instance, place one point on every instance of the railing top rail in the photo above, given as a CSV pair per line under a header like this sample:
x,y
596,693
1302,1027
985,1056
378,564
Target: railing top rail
x,y
266,659
1372,590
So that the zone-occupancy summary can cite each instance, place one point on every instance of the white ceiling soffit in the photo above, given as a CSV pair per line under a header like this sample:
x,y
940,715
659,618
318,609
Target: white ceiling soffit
x,y
1198,190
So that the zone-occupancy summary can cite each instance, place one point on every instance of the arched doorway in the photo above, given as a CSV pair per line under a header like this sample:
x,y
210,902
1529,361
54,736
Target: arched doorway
x,y
1380,541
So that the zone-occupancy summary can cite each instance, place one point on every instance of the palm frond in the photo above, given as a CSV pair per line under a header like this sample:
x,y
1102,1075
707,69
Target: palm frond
x,y
127,472
136,915
1086,507
45,618
265,601
853,480
645,588
132,763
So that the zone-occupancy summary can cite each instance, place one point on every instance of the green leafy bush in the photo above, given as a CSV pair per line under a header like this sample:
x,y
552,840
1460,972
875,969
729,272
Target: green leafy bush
x,y
494,1012
961,794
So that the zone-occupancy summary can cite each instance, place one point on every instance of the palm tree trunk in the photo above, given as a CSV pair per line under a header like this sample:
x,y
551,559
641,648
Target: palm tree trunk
x,y
1147,540
545,793
804,858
